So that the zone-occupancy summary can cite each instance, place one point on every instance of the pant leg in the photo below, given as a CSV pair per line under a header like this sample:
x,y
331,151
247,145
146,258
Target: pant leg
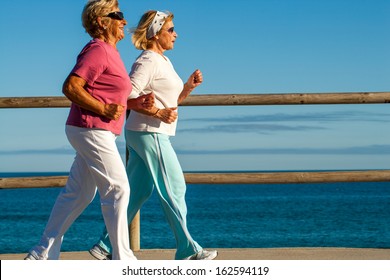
x,y
161,160
141,185
77,194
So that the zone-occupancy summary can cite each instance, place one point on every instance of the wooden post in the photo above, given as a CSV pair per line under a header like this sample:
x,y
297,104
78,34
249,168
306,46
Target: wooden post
x,y
135,233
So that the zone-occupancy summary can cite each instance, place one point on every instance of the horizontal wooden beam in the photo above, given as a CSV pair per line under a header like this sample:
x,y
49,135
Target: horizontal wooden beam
x,y
34,102
228,178
226,99
288,177
288,99
33,182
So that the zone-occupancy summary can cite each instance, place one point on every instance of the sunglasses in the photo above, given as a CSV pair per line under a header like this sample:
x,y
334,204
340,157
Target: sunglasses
x,y
170,30
116,15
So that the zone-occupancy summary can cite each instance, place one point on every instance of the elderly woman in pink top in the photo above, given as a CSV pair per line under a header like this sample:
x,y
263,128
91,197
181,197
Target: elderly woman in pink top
x,y
98,87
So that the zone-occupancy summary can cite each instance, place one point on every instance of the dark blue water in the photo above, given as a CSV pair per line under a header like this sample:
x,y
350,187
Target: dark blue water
x,y
353,215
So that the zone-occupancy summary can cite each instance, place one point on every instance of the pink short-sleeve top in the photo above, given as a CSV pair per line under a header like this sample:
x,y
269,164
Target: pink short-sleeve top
x,y
101,66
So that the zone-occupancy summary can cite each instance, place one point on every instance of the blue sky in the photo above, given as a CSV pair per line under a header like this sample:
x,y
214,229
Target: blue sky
x,y
242,47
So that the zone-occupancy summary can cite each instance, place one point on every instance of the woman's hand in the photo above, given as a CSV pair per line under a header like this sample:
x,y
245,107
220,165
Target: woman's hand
x,y
167,115
143,102
113,111
195,79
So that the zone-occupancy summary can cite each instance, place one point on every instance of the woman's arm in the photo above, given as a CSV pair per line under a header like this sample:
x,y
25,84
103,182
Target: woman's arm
x,y
73,88
169,115
193,81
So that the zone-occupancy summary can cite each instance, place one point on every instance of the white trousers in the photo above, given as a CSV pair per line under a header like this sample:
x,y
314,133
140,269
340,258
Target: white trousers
x,y
97,166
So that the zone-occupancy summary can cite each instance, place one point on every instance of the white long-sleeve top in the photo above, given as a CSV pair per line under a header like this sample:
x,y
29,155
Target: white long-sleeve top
x,y
152,72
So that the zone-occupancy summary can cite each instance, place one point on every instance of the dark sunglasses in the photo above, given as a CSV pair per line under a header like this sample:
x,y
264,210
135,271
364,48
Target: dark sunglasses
x,y
116,15
170,30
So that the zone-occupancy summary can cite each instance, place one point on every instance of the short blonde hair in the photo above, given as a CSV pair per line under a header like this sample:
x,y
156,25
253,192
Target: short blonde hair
x,y
94,9
139,33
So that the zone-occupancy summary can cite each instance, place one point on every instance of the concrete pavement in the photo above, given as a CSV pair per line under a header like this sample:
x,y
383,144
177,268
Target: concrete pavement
x,y
248,254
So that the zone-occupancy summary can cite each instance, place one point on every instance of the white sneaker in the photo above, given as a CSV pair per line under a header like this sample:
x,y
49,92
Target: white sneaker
x,y
203,255
99,253
32,256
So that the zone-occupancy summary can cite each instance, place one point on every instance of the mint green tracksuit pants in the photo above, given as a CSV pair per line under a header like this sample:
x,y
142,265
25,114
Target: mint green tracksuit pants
x,y
153,163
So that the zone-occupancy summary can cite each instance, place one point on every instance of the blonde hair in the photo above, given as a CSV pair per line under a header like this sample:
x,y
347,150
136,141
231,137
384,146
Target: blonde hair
x,y
139,33
94,9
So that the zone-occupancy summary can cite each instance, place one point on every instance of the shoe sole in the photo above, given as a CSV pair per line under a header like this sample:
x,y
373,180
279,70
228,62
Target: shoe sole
x,y
211,257
97,255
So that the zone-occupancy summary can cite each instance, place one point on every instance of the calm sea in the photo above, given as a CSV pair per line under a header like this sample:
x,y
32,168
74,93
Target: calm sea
x,y
355,215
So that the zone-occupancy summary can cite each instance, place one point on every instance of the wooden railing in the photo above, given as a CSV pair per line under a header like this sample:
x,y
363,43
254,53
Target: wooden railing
x,y
226,99
223,178
228,178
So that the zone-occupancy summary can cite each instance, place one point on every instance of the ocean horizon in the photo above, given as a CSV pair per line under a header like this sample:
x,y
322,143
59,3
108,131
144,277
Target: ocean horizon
x,y
355,215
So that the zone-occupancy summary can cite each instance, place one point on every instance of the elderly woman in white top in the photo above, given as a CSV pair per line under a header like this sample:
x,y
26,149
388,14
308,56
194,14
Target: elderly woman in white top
x,y
153,161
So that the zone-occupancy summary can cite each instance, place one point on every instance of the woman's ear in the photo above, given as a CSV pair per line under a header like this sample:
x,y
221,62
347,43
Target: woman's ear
x,y
100,22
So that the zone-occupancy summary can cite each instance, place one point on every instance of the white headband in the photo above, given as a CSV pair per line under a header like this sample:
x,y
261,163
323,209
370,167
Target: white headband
x,y
157,23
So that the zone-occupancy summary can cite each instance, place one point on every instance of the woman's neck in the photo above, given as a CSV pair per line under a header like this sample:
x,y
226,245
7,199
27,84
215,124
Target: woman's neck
x,y
156,47
107,40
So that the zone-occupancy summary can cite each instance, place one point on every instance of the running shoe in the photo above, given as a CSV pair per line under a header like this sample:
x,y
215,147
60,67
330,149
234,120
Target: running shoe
x,y
203,255
99,253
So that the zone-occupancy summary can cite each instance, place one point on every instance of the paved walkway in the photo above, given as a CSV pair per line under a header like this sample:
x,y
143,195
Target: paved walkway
x,y
248,254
